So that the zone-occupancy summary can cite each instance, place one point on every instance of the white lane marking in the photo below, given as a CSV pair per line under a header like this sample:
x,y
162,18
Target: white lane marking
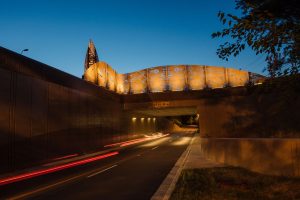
x,y
21,196
94,174
154,148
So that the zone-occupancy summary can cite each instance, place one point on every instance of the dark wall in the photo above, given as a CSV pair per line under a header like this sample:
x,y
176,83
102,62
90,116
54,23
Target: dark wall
x,y
12,61
43,117
270,110
264,155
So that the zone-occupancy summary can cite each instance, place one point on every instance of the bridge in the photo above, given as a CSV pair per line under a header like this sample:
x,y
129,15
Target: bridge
x,y
41,106
176,90
49,117
164,78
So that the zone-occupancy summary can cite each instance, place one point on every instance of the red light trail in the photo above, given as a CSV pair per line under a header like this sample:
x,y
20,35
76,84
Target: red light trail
x,y
64,157
53,169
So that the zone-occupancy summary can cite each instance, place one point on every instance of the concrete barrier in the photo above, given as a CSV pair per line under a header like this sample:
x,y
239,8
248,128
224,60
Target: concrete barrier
x,y
268,156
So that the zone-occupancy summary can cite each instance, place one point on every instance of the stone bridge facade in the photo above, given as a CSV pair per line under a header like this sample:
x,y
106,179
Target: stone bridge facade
x,y
168,78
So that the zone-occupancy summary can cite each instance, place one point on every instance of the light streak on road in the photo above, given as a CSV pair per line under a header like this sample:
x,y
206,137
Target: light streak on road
x,y
29,175
130,142
181,141
119,143
64,157
144,139
155,143
94,174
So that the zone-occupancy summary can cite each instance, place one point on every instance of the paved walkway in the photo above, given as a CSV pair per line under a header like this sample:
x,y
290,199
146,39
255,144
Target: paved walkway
x,y
195,159
190,159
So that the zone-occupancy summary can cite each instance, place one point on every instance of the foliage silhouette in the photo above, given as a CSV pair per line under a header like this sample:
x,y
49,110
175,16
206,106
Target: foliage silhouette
x,y
270,28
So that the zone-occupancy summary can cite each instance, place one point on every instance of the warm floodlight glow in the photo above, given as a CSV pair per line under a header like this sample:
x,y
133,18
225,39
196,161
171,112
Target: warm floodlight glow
x,y
156,79
142,119
165,78
133,119
177,77
237,77
215,77
196,77
111,78
138,82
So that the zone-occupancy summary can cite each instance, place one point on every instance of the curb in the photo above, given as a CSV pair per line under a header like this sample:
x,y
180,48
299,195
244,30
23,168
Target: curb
x,y
167,186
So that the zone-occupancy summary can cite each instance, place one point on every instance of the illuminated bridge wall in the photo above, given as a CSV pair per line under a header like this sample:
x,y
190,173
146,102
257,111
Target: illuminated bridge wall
x,y
167,78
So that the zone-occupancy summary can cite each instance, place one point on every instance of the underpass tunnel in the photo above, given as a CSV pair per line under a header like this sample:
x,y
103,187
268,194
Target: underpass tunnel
x,y
185,120
175,119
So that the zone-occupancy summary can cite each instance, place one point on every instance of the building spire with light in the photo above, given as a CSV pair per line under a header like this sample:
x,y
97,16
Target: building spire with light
x,y
91,56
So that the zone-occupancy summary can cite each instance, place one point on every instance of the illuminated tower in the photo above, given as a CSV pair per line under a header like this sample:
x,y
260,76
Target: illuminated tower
x,y
91,56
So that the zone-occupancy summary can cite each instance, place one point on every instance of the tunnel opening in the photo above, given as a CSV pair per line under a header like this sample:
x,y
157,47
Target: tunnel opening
x,y
187,121
184,118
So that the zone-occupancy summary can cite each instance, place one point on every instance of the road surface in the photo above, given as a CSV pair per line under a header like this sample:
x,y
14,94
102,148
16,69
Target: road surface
x,y
135,173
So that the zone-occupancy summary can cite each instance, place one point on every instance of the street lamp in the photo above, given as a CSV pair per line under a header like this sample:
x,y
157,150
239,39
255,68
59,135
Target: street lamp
x,y
24,50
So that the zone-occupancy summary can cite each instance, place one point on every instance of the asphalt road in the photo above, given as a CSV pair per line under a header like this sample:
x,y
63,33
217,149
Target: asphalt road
x,y
135,173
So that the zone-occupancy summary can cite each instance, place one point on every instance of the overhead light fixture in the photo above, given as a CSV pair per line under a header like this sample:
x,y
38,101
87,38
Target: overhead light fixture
x,y
24,50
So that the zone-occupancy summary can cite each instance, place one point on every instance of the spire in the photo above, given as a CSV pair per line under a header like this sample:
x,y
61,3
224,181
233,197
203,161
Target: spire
x,y
91,56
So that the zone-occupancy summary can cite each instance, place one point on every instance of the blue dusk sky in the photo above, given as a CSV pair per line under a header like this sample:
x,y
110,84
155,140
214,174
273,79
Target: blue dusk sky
x,y
128,34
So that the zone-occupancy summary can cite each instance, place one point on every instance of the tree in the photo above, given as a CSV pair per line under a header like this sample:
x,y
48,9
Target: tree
x,y
269,27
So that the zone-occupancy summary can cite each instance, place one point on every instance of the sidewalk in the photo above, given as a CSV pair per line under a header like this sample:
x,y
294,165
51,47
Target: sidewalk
x,y
190,159
195,159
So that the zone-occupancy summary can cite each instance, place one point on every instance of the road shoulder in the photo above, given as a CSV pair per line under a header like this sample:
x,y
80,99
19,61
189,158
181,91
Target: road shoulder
x,y
191,158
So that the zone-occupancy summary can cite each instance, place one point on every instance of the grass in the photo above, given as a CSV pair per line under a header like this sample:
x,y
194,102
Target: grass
x,y
228,183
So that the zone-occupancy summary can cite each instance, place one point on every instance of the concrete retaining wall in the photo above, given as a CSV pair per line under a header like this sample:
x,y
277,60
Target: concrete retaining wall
x,y
268,156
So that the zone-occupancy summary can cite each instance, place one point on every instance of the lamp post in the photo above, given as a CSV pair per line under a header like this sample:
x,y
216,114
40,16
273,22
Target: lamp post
x,y
24,50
